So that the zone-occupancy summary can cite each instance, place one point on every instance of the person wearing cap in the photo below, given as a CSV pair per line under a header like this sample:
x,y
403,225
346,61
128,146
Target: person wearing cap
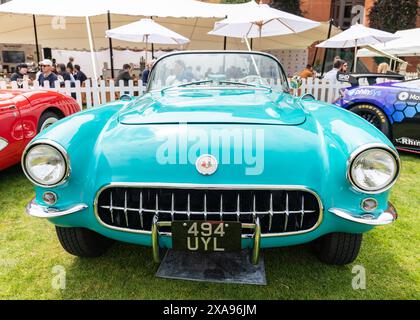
x,y
21,72
46,73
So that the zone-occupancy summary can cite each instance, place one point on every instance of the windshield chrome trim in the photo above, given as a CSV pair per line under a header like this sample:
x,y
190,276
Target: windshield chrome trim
x,y
215,52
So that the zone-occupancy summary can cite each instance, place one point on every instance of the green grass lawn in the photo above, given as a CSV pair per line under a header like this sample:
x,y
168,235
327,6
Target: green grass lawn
x,y
29,250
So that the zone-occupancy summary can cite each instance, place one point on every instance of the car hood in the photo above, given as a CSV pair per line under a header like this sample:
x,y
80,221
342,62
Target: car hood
x,y
246,106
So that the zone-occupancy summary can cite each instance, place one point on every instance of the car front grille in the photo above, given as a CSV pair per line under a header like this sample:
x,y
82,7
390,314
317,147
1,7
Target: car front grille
x,y
279,211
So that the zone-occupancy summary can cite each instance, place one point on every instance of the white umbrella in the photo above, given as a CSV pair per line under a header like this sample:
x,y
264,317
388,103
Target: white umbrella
x,y
146,30
357,36
254,20
407,45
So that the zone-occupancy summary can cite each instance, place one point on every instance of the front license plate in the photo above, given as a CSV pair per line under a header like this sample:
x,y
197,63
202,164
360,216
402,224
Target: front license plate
x,y
206,236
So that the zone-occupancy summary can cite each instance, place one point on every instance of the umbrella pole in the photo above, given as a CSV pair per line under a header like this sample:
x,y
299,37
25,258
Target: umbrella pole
x,y
252,57
147,38
36,39
92,52
326,49
247,44
355,58
111,51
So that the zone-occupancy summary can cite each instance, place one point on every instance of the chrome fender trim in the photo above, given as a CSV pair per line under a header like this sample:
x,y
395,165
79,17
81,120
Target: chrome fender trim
x,y
35,210
386,217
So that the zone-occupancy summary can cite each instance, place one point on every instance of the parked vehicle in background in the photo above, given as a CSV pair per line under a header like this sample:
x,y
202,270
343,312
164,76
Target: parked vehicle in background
x,y
23,114
390,105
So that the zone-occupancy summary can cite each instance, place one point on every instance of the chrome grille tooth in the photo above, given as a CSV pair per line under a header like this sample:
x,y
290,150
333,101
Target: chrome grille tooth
x,y
205,206
302,213
172,206
221,207
188,206
141,209
254,208
270,222
286,216
238,205
111,209
157,205
125,207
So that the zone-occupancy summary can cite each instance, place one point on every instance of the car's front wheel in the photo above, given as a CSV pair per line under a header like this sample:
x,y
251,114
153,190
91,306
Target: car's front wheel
x,y
338,248
83,242
374,116
47,119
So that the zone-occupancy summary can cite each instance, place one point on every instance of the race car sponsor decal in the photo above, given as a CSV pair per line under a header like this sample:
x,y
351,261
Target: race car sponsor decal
x,y
408,141
365,92
408,96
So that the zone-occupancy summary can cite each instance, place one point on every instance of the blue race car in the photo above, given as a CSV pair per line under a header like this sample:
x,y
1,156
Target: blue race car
x,y
393,107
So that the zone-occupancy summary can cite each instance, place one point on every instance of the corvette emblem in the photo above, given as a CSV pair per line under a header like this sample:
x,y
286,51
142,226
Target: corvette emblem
x,y
206,165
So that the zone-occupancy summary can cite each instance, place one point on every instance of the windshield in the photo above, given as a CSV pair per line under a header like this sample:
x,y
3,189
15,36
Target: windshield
x,y
206,69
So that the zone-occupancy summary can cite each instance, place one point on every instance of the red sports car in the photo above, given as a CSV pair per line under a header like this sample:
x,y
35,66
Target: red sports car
x,y
25,113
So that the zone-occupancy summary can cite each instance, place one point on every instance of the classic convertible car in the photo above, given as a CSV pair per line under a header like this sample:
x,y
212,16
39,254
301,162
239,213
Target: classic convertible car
x,y
390,105
25,113
221,158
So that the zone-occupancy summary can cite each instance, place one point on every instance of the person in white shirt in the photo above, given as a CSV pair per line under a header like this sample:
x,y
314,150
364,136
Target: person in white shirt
x,y
331,75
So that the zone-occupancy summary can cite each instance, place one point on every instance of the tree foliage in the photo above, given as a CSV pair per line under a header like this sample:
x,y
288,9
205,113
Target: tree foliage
x,y
291,6
391,15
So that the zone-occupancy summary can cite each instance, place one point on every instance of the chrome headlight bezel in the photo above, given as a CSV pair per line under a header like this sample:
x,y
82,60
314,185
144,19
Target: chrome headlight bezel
x,y
60,150
355,154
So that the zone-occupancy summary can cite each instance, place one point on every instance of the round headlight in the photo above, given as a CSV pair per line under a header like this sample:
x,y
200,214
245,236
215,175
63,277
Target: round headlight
x,y
45,165
374,170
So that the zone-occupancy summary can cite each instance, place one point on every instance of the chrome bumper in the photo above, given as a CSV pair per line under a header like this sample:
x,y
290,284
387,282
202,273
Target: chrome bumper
x,y
386,217
38,211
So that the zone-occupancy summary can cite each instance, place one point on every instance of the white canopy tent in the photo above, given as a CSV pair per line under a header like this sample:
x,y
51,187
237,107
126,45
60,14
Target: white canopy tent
x,y
63,26
407,45
87,9
72,34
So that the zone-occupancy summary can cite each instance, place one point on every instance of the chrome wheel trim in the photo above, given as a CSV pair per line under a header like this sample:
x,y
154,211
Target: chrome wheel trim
x,y
48,122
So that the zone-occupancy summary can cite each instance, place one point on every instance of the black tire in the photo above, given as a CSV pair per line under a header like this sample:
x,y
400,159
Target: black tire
x,y
82,242
47,119
374,116
338,248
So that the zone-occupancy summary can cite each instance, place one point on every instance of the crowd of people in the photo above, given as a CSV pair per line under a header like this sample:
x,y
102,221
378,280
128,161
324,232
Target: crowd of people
x,y
51,72
126,74
339,65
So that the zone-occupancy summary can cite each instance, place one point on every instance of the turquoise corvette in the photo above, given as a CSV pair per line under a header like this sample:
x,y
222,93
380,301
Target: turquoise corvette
x,y
216,156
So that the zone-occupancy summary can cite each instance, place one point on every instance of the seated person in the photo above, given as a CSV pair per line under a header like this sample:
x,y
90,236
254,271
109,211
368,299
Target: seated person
x,y
47,73
179,74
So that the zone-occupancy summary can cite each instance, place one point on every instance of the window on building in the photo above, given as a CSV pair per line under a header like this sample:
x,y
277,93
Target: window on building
x,y
342,12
